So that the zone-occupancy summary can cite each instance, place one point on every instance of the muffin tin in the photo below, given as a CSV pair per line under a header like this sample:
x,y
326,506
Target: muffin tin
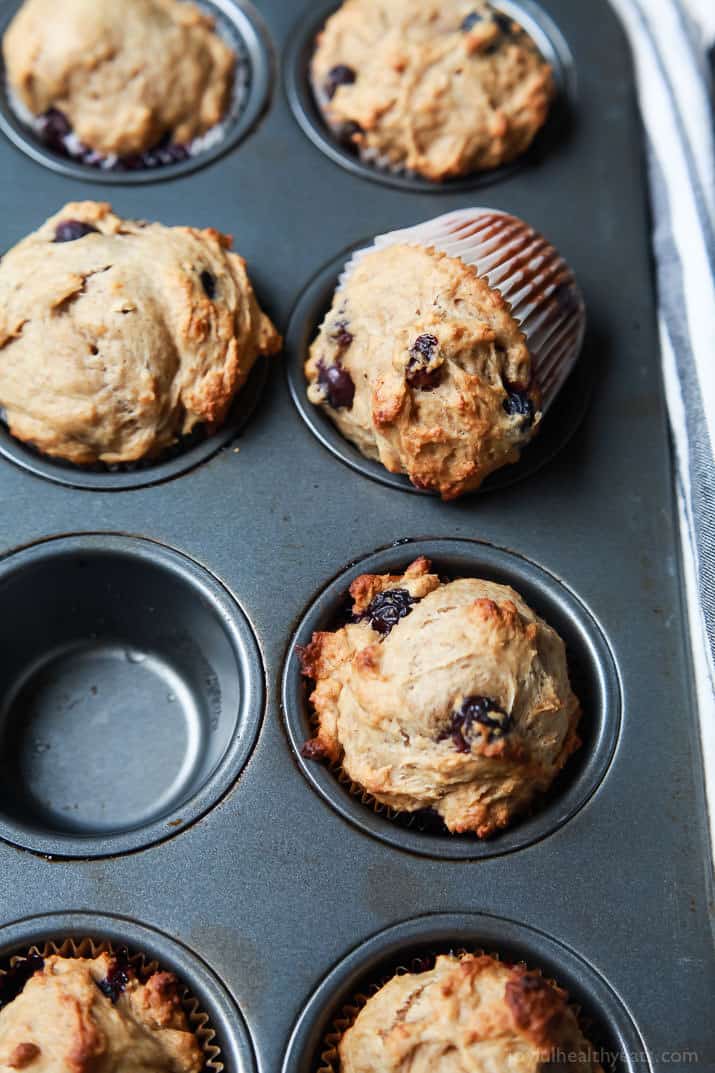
x,y
219,849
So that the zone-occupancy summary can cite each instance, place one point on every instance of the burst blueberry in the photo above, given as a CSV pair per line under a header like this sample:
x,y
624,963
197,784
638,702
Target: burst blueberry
x,y
71,230
338,385
483,711
208,282
421,372
387,608
472,19
518,404
340,75
115,982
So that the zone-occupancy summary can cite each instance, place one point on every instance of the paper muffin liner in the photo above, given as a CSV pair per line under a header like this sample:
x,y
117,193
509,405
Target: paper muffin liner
x,y
328,1059
199,1020
528,272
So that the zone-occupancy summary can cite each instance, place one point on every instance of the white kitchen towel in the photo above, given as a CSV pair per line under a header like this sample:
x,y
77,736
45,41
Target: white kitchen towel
x,y
669,40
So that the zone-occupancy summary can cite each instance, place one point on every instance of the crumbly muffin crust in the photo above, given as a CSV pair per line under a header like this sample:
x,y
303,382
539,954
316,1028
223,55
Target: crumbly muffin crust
x,y
421,365
441,88
74,1016
118,337
467,1015
452,696
124,74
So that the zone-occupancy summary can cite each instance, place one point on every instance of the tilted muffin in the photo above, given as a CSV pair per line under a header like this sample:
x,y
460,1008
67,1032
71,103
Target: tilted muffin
x,y
422,366
125,75
444,695
441,88
467,1015
119,337
78,1014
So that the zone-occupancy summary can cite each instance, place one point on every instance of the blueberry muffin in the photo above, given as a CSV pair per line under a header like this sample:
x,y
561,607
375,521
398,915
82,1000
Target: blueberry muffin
x,y
124,76
422,366
445,695
80,1014
467,1015
439,88
118,337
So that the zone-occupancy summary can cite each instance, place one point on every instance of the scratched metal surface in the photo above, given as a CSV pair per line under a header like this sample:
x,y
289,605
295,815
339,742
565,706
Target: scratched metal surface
x,y
272,887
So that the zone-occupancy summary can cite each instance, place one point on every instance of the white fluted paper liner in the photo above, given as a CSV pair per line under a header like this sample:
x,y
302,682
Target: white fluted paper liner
x,y
528,271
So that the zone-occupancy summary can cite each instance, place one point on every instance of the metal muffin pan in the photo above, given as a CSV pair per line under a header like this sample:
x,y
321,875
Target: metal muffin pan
x,y
592,671
242,27
269,884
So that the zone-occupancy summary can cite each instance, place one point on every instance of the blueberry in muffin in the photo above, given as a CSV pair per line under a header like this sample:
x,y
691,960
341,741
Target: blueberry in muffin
x,y
122,78
439,88
452,696
119,337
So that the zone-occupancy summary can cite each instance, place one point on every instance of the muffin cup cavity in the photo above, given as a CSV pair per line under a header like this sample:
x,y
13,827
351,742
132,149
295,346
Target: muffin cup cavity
x,y
306,110
186,455
211,1013
408,946
238,22
566,413
593,676
131,692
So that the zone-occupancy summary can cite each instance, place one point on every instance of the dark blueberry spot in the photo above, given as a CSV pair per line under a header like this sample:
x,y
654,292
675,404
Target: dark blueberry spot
x,y
54,128
341,75
531,981
481,710
387,608
13,981
341,335
119,975
505,24
348,131
421,373
71,230
338,386
208,282
472,19
423,963
518,403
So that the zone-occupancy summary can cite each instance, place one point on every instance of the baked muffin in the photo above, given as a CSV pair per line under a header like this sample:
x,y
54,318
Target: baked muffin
x,y
94,1014
422,366
440,88
467,1015
124,75
119,337
445,695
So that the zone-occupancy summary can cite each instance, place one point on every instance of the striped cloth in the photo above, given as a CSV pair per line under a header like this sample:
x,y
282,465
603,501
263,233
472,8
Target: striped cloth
x,y
669,39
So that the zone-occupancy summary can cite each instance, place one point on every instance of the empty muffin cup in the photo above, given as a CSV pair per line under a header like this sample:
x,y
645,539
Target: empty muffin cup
x,y
413,946
138,952
131,692
50,140
591,669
